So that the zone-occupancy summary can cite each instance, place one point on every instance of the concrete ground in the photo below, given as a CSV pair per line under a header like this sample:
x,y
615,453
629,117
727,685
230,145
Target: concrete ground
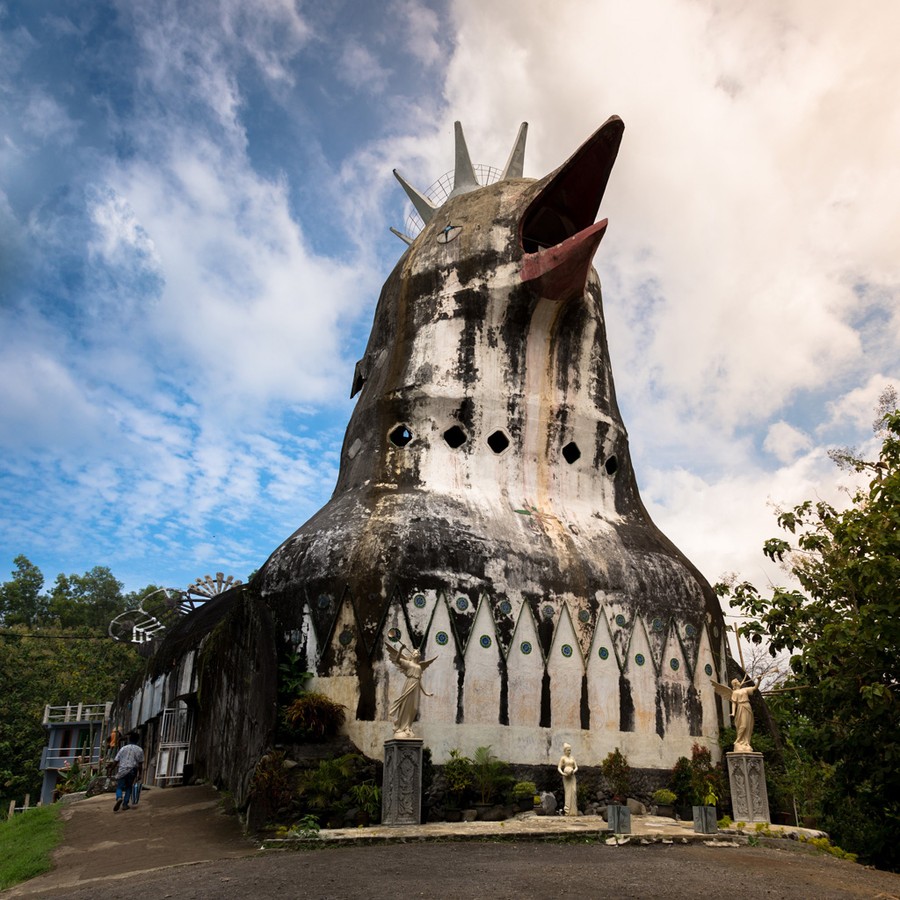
x,y
178,843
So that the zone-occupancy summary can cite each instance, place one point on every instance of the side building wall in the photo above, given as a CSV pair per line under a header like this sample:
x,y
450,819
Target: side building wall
x,y
221,662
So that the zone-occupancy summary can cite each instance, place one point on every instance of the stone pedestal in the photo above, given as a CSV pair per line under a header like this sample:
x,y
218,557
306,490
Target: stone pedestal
x,y
401,796
747,778
618,818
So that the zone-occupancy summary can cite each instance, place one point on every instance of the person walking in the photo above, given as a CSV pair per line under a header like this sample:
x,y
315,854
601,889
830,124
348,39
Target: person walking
x,y
130,759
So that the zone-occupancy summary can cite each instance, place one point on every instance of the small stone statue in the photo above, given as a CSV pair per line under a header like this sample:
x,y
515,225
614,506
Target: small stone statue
x,y
406,707
741,711
567,768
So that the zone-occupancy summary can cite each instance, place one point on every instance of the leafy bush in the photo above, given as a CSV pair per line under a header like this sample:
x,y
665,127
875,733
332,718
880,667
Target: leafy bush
x,y
459,776
324,787
314,717
271,784
680,781
707,781
305,829
664,797
524,790
73,779
617,773
367,797
490,774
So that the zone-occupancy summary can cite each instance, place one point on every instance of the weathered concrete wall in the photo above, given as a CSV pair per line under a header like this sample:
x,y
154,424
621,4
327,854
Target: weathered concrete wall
x,y
223,662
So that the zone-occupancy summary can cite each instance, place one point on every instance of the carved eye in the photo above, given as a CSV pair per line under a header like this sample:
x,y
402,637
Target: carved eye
x,y
450,233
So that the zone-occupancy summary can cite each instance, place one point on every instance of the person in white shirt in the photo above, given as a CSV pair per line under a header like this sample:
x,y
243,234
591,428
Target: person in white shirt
x,y
130,761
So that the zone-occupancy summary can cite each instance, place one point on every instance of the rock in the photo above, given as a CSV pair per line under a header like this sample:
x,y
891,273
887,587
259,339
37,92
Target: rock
x,y
469,815
637,808
548,803
493,814
100,785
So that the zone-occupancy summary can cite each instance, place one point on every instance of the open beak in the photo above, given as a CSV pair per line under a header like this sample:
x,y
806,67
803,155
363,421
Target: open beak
x,y
557,231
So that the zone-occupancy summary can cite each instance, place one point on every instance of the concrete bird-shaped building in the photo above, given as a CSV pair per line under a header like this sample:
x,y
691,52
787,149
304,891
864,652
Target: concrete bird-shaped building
x,y
486,510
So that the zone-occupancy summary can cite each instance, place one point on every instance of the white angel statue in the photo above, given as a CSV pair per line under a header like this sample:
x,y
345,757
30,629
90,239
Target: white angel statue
x,y
742,713
406,707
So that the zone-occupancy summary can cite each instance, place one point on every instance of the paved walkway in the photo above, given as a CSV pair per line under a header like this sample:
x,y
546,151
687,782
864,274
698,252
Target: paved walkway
x,y
177,829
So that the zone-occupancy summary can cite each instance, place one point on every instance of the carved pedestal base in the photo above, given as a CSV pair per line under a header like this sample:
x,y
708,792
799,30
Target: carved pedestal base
x,y
401,797
747,778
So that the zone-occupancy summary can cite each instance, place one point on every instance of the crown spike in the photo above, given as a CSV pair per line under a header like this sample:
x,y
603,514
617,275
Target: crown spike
x,y
403,237
464,179
424,207
516,162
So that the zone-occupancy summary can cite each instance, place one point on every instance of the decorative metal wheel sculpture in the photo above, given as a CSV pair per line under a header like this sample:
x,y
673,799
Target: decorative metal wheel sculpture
x,y
161,608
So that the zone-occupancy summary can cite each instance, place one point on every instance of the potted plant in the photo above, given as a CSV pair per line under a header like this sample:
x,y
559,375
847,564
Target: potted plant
x,y
664,800
706,783
705,812
617,773
524,794
489,774
458,777
680,783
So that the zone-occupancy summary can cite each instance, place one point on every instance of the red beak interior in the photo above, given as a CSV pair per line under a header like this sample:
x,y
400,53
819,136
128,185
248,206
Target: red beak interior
x,y
558,233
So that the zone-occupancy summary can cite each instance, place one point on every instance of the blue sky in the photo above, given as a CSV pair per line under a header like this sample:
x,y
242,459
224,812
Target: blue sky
x,y
194,211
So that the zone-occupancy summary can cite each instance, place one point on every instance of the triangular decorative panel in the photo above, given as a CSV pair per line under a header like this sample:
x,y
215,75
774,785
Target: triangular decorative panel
x,y
565,666
481,684
603,679
525,668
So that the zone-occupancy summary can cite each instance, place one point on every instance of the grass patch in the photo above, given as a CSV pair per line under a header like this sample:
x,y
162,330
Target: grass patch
x,y
26,842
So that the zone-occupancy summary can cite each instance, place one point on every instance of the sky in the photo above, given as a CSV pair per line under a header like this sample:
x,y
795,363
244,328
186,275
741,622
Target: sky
x,y
194,210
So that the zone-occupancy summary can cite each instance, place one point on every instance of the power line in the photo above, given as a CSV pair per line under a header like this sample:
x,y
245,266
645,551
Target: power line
x,y
56,637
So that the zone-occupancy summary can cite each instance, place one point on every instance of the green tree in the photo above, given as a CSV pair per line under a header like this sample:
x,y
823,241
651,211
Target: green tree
x,y
843,631
21,600
54,650
90,600
52,666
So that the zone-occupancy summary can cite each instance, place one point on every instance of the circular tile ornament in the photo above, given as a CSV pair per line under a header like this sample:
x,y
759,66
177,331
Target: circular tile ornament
x,y
566,650
620,620
462,603
505,607
419,601
708,669
657,624
442,638
674,664
346,637
394,634
323,601
690,631
584,616
525,647
639,659
547,611
485,641
603,653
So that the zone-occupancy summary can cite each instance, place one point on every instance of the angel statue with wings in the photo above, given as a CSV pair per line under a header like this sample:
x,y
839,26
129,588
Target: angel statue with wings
x,y
406,707
739,696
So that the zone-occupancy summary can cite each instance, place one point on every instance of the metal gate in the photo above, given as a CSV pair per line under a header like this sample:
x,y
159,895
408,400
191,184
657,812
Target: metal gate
x,y
175,737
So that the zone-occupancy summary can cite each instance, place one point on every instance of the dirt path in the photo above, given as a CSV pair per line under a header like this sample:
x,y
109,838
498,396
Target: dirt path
x,y
177,844
168,827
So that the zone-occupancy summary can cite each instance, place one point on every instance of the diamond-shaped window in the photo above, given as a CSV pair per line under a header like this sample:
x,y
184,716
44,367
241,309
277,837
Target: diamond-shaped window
x,y
498,441
400,436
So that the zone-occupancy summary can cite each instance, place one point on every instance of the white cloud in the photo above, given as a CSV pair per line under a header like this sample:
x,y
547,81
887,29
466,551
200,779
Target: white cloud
x,y
784,441
422,27
45,119
361,69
